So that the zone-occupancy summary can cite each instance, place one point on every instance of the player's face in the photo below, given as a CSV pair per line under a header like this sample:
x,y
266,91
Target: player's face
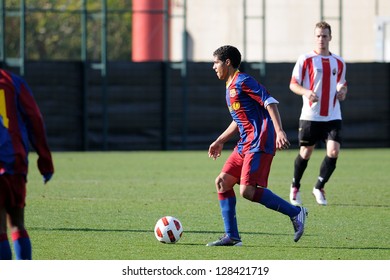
x,y
220,68
322,39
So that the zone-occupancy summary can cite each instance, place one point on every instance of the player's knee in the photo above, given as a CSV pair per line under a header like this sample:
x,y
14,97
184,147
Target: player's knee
x,y
219,184
306,152
332,149
334,153
246,192
224,182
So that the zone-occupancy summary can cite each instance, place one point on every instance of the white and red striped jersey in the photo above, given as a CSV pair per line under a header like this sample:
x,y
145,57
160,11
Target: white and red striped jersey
x,y
322,75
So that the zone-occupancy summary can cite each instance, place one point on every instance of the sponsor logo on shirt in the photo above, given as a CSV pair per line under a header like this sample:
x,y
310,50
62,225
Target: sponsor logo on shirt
x,y
236,106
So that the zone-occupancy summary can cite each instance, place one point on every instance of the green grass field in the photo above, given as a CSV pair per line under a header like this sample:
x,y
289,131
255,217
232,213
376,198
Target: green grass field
x,y
103,206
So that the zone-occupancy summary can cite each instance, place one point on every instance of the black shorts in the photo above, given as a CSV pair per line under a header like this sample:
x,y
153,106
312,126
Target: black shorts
x,y
311,132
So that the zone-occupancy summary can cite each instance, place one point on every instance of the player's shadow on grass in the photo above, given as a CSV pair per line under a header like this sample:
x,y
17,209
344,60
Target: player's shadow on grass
x,y
151,232
332,247
144,231
89,229
201,232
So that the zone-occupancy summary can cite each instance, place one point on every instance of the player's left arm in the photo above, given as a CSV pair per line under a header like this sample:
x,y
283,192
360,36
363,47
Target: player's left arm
x,y
342,90
341,87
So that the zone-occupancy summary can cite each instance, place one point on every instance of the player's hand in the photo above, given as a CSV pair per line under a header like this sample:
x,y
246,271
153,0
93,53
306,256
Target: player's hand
x,y
312,97
341,95
215,150
282,141
341,92
47,177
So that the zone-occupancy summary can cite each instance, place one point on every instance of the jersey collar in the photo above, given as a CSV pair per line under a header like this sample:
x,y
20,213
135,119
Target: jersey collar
x,y
234,76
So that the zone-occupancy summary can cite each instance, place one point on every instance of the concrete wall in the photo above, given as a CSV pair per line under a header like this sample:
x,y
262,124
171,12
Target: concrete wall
x,y
289,28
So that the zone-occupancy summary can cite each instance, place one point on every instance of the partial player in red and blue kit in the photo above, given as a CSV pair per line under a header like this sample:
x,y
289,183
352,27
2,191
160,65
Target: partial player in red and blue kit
x,y
21,124
257,119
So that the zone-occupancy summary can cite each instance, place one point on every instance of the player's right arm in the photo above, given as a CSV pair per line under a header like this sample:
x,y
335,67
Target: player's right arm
x,y
297,78
216,147
300,90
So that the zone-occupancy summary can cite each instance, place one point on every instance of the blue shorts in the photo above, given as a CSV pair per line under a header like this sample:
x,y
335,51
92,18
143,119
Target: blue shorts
x,y
250,169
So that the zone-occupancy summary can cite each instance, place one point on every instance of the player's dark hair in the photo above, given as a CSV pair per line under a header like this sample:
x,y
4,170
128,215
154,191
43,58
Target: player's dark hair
x,y
229,52
324,25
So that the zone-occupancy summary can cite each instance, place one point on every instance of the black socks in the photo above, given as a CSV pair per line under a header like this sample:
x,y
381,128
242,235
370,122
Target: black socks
x,y
300,165
327,167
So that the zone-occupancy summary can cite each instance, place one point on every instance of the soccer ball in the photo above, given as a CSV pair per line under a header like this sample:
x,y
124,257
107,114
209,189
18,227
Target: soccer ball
x,y
168,229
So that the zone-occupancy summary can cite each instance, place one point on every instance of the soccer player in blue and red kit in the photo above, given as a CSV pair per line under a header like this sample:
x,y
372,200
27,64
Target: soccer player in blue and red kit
x,y
21,124
256,118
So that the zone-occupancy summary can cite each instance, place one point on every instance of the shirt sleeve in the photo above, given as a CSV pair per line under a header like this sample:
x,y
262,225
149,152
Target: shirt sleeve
x,y
297,76
341,80
269,101
36,128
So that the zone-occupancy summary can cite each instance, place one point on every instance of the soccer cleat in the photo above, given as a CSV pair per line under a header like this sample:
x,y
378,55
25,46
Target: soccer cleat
x,y
295,196
319,194
299,223
225,240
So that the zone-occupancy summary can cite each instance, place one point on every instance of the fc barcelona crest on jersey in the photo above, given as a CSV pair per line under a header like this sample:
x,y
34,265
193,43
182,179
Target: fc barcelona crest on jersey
x,y
232,92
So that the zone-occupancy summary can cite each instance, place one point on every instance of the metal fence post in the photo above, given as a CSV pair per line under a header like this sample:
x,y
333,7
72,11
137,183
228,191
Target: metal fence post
x,y
84,59
2,30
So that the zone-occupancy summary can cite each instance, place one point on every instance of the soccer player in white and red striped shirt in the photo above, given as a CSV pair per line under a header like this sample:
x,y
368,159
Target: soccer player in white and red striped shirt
x,y
319,77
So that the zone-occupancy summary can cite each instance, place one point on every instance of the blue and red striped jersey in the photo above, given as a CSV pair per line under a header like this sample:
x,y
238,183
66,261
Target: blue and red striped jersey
x,y
247,100
21,124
